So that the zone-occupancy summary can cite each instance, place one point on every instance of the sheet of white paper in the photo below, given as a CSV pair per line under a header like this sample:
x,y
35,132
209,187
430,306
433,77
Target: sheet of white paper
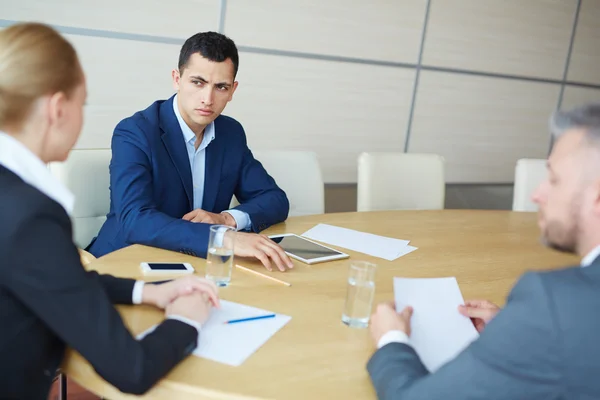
x,y
406,250
438,331
374,245
232,344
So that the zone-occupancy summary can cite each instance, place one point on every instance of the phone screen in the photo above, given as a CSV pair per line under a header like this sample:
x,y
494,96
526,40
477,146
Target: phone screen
x,y
167,266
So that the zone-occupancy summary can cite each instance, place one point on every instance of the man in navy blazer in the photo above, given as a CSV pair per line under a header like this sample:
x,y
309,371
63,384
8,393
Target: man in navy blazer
x,y
176,165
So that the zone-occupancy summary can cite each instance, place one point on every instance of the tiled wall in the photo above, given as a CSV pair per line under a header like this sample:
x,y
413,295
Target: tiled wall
x,y
472,80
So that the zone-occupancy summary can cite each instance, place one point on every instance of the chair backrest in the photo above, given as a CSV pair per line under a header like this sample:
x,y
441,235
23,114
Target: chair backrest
x,y
400,181
529,173
86,174
298,174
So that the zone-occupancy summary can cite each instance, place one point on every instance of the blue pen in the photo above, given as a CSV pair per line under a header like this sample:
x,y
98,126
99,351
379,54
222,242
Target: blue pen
x,y
234,321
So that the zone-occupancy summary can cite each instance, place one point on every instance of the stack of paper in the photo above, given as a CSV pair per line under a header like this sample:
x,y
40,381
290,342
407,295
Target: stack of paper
x,y
232,344
374,245
438,331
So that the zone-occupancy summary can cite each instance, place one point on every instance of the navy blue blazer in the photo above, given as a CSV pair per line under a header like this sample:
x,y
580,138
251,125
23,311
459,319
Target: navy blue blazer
x,y
48,301
151,184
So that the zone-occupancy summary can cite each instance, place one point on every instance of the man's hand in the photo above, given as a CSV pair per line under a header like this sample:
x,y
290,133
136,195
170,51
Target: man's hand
x,y
386,319
160,295
260,247
480,311
195,306
199,215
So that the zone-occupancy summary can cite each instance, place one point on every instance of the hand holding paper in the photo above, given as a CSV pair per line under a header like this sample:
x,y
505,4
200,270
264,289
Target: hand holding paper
x,y
386,319
438,332
480,311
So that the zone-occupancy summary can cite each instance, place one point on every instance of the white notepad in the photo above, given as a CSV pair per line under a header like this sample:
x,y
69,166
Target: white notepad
x,y
368,243
438,331
232,344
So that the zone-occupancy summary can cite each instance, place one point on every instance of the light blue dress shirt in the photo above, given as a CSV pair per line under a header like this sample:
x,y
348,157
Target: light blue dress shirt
x,y
197,159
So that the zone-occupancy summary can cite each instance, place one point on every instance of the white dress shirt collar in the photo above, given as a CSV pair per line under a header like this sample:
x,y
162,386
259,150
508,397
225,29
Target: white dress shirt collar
x,y
590,257
20,160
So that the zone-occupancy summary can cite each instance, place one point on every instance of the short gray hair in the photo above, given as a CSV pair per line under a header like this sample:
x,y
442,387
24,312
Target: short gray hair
x,y
586,117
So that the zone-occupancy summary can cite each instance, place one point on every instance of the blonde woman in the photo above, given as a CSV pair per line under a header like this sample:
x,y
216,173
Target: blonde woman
x,y
47,300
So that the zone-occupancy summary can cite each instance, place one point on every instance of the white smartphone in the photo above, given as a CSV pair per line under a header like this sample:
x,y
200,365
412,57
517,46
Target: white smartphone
x,y
154,268
305,250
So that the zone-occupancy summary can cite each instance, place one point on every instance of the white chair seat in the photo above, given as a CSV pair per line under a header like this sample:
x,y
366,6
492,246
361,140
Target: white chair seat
x,y
86,174
400,181
529,173
298,174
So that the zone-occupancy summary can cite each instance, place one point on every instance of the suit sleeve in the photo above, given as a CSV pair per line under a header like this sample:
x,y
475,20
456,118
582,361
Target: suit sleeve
x,y
259,195
133,199
51,282
119,291
517,356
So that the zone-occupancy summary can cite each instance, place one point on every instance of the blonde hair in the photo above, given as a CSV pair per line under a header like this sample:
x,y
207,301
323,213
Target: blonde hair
x,y
35,60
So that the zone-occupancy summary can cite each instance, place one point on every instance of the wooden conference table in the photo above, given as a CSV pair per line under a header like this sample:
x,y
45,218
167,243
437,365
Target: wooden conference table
x,y
315,356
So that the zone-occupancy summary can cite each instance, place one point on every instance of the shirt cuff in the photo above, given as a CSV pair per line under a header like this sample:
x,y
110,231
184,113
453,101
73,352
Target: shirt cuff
x,y
242,219
138,290
188,321
393,337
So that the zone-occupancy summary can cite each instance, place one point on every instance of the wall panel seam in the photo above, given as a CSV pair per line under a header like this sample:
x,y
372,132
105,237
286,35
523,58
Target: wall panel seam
x,y
411,111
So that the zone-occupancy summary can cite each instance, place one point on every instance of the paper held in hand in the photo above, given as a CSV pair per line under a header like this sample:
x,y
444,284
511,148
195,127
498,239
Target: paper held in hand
x,y
438,331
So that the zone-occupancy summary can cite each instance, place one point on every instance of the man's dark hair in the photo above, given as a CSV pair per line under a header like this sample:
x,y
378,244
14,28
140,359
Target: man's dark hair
x,y
211,45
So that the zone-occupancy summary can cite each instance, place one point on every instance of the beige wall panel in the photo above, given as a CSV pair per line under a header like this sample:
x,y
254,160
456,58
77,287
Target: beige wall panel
x,y
585,57
373,29
123,77
575,96
482,126
510,36
152,17
336,109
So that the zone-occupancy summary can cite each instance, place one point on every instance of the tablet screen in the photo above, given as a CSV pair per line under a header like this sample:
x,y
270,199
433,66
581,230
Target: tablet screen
x,y
303,248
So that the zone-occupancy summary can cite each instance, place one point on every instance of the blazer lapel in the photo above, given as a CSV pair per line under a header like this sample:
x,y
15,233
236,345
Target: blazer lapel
x,y
172,137
212,172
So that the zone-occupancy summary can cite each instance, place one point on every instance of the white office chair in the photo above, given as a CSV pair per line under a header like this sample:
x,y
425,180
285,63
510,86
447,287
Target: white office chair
x,y
86,174
298,174
529,173
400,181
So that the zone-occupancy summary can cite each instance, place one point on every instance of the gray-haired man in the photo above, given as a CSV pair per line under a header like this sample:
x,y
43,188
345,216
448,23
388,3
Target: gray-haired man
x,y
544,343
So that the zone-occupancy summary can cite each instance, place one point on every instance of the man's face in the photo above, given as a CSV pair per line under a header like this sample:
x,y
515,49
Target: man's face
x,y
561,196
204,88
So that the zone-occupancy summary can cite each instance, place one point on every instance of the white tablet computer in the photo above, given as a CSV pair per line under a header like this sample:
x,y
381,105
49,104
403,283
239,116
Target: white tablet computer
x,y
305,250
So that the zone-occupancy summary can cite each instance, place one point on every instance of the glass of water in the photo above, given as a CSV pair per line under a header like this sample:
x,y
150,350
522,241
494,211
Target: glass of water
x,y
219,257
359,294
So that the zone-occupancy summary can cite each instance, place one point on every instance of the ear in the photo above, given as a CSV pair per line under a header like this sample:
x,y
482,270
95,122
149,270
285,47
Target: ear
x,y
595,196
56,108
235,85
176,79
